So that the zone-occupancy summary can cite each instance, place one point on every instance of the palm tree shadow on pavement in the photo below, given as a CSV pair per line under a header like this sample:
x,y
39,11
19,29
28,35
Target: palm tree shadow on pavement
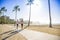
x,y
6,32
11,34
25,27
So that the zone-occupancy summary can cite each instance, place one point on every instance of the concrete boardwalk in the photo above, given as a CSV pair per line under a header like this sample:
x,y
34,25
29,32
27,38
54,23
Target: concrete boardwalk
x,y
34,35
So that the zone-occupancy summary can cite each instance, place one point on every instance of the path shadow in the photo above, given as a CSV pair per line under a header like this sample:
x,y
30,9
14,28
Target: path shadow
x,y
55,28
11,34
25,27
6,32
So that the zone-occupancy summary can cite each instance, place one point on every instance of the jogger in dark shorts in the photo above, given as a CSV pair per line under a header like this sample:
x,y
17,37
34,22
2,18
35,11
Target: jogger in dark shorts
x,y
21,21
21,26
17,24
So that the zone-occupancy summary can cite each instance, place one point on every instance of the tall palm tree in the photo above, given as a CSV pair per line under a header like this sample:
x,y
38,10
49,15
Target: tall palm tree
x,y
3,9
16,9
0,12
50,24
0,16
29,3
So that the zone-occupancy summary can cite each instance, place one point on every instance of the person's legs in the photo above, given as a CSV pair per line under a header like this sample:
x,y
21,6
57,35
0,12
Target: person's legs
x,y
21,26
17,26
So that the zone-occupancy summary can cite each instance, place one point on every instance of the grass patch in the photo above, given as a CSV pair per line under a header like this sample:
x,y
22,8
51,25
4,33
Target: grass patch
x,y
55,30
5,28
0,30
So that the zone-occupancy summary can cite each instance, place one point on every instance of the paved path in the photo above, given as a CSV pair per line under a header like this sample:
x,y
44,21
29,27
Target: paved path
x,y
34,35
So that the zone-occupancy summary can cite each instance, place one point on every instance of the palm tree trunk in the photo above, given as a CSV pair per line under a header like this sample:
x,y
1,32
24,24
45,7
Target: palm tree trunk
x,y
29,15
50,24
15,17
3,18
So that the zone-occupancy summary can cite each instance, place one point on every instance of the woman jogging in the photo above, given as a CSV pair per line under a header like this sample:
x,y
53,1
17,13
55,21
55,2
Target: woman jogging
x,y
21,21
17,24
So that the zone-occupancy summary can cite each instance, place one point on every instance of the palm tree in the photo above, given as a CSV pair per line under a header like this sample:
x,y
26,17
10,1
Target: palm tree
x,y
16,9
0,13
3,9
0,16
29,3
50,25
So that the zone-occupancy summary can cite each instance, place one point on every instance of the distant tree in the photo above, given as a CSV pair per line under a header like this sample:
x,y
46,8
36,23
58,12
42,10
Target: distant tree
x,y
3,9
50,24
29,3
8,20
0,13
0,16
2,20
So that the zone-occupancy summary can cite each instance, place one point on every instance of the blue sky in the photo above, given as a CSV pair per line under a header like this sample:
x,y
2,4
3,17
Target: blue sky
x,y
39,11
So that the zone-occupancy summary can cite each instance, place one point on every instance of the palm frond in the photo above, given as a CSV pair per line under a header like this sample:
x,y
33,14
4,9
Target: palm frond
x,y
13,10
3,9
0,11
18,9
27,3
30,2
